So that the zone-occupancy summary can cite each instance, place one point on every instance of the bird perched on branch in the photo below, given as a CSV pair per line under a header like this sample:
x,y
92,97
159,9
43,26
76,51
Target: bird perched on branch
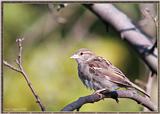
x,y
99,74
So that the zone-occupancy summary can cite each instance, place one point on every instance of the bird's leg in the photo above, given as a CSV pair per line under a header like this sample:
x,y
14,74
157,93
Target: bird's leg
x,y
98,92
113,94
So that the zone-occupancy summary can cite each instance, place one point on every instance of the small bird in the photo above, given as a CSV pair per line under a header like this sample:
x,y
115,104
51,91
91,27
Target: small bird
x,y
99,74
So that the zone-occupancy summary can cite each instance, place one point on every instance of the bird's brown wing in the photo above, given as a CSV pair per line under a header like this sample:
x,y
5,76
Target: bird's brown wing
x,y
101,67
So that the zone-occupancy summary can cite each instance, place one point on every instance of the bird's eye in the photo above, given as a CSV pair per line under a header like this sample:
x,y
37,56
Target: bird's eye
x,y
81,53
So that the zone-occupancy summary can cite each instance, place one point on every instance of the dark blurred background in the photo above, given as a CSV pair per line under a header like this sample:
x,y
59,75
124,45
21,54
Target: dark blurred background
x,y
51,37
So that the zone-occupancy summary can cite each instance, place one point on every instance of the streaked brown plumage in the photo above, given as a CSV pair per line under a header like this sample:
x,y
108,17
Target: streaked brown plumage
x,y
97,73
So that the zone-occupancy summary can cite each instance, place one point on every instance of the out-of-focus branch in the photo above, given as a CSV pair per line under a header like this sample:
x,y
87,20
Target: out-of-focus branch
x,y
148,18
20,69
76,105
54,11
141,43
81,27
149,85
149,24
140,83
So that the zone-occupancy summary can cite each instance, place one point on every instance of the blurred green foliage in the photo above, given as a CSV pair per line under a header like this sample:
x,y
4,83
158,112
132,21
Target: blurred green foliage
x,y
46,51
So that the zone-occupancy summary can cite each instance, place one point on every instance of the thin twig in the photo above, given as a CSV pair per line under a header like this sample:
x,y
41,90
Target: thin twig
x,y
22,71
154,18
140,83
147,23
121,94
10,66
148,14
149,85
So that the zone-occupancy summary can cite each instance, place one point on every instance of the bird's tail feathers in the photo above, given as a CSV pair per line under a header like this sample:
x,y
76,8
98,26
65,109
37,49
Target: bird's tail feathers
x,y
139,89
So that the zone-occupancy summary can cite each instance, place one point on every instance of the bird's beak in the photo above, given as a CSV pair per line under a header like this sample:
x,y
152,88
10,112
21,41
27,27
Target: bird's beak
x,y
75,56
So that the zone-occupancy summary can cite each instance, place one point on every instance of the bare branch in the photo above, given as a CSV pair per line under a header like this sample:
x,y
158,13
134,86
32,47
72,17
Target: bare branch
x,y
21,70
141,43
121,94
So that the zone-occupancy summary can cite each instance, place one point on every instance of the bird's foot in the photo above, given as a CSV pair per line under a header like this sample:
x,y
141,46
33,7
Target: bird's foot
x,y
105,92
98,92
114,95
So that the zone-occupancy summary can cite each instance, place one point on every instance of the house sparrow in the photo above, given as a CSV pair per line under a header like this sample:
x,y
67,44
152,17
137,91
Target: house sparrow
x,y
99,74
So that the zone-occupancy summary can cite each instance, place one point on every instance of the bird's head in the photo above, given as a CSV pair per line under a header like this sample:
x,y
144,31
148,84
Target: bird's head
x,y
83,55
